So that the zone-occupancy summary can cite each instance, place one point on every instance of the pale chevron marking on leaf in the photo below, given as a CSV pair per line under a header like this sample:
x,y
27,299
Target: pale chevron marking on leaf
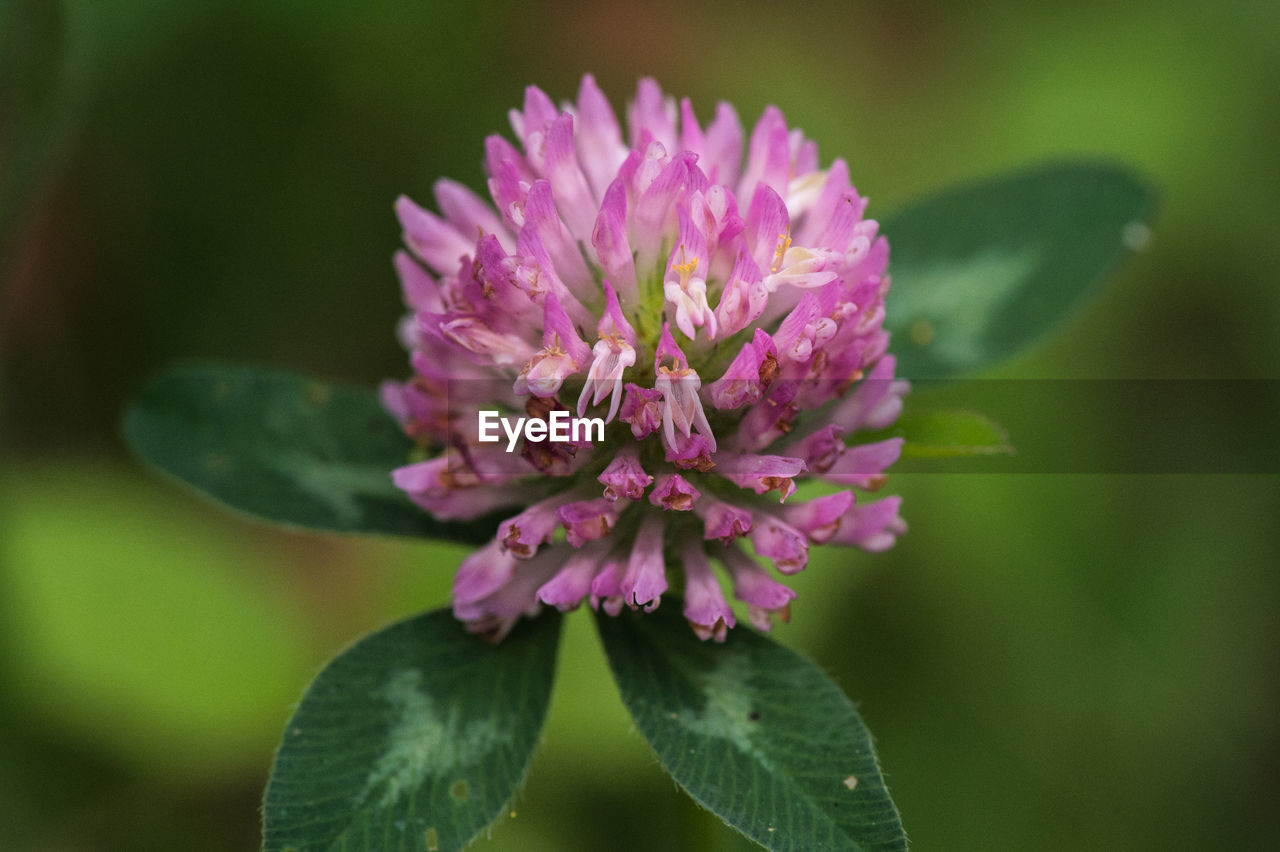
x,y
727,713
337,485
419,742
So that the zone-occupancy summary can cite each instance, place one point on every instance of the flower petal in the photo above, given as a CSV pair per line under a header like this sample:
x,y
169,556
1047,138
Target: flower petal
x,y
705,608
646,579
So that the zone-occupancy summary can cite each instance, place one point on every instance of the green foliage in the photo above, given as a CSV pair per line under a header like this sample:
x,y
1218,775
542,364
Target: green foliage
x,y
413,739
981,271
284,448
754,732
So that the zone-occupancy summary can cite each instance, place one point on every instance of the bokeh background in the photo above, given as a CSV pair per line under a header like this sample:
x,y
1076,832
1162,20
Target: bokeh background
x,y
1048,661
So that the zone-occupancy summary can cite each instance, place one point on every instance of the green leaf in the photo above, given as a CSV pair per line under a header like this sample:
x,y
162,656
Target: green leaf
x,y
980,271
284,448
944,433
754,732
413,739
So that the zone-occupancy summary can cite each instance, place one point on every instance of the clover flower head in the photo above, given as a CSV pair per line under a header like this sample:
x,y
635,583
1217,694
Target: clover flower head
x,y
717,315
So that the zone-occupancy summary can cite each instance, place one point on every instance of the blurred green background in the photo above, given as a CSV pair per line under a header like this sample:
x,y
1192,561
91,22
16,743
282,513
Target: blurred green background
x,y
1048,662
